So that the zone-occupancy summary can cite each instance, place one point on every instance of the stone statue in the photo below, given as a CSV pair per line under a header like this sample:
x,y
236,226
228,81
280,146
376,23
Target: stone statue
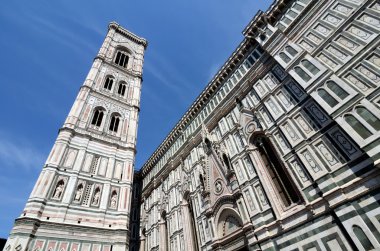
x,y
113,200
78,193
58,191
95,200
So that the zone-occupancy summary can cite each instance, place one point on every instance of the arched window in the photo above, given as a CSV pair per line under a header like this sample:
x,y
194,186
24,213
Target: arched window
x,y
108,83
97,117
122,58
310,67
339,91
357,126
122,88
114,124
362,237
300,72
284,57
291,51
369,117
330,100
276,170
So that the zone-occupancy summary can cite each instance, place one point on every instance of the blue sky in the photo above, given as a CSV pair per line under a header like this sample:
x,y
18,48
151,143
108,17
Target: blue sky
x,y
47,48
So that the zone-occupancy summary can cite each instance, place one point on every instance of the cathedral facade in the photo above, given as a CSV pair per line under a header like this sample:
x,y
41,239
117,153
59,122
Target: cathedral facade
x,y
280,151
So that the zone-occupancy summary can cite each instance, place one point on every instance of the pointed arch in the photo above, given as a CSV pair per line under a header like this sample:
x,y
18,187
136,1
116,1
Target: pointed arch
x,y
97,116
114,122
228,221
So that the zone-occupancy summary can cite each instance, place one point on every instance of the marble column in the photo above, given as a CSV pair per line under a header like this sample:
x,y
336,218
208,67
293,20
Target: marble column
x,y
163,235
187,227
142,243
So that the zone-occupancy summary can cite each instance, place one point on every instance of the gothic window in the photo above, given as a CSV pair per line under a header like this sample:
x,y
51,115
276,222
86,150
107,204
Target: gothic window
x,y
364,122
330,100
373,121
122,88
108,83
97,117
122,58
310,67
362,237
284,57
300,72
291,51
281,181
357,126
337,90
114,124
333,94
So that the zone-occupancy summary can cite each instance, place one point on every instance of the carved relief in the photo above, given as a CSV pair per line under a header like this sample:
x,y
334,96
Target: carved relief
x,y
248,196
261,196
349,44
281,141
369,74
376,6
336,52
273,107
327,154
314,38
70,158
327,61
322,29
318,114
218,187
95,102
295,90
306,46
290,131
344,143
299,169
304,125
370,20
332,19
359,84
310,160
342,9
279,72
357,32
375,59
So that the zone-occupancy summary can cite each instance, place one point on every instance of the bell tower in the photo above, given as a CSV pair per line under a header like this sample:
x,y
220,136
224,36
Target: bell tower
x,y
81,200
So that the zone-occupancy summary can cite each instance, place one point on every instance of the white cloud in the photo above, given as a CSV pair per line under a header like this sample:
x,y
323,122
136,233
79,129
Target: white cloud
x,y
18,153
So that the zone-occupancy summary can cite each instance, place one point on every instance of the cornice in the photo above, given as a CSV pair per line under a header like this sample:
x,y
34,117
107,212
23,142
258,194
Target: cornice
x,y
274,12
270,16
213,86
128,34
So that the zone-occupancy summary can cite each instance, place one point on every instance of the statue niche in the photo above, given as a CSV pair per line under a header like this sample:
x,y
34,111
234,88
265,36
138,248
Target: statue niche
x,y
59,190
